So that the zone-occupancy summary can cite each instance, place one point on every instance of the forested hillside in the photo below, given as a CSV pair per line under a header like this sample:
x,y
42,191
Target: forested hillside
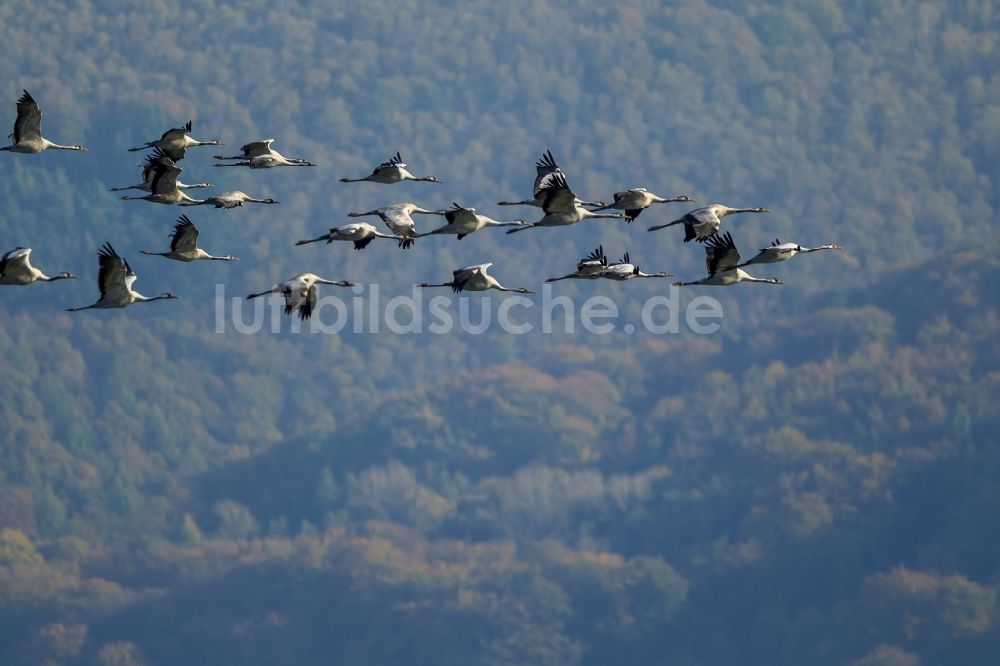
x,y
814,483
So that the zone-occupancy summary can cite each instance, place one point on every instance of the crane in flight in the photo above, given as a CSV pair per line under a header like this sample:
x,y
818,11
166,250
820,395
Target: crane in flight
x,y
701,223
588,268
184,244
562,207
300,292
154,161
175,142
391,171
778,251
163,188
260,155
398,218
545,168
638,199
722,260
475,278
360,233
115,280
624,269
234,199
27,134
16,269
463,221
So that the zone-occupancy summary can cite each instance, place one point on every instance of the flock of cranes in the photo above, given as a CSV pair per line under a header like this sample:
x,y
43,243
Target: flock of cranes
x,y
551,193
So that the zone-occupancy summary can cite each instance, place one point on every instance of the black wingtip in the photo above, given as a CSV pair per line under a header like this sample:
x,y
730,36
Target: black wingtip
x,y
547,161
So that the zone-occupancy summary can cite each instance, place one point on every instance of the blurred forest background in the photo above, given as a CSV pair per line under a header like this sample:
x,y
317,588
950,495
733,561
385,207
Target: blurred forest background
x,y
816,483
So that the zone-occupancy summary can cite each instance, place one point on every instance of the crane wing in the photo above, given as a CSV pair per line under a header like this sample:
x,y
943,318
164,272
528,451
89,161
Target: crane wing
x,y
29,119
175,152
261,161
544,167
16,262
257,148
461,277
460,214
308,303
398,220
176,133
557,196
155,161
227,200
618,271
300,296
165,179
185,236
702,223
394,162
348,231
115,275
478,268
546,164
777,247
594,258
721,254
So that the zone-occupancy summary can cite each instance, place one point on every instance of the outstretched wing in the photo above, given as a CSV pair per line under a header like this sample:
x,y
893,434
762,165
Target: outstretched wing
x,y
16,262
597,256
398,220
633,213
115,275
257,148
29,119
300,297
175,152
396,161
459,213
556,195
721,254
546,164
544,168
155,161
185,236
177,133
620,271
701,223
165,179
461,277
